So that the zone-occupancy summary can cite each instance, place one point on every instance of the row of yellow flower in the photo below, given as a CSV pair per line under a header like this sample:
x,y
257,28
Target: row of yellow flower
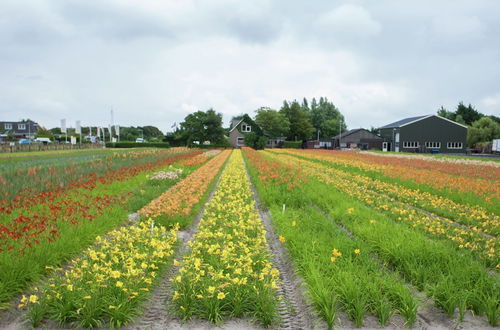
x,y
470,239
180,198
106,284
228,270
474,216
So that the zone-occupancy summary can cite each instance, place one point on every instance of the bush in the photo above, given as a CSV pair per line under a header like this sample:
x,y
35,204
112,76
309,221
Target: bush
x,y
292,144
137,145
255,141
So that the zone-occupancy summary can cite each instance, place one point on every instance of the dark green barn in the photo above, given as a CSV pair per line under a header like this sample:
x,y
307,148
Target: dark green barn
x,y
430,133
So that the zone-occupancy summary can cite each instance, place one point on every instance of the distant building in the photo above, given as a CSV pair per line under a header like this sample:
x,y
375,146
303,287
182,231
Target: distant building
x,y
358,138
19,129
239,128
429,133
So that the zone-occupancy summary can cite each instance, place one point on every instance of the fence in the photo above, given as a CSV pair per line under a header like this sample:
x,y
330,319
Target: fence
x,y
6,148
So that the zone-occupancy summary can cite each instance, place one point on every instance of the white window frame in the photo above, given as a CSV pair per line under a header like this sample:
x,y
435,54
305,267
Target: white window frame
x,y
433,145
21,127
455,145
246,128
240,139
411,144
8,126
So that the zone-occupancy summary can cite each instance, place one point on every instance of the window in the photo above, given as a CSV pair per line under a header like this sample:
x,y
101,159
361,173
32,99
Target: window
x,y
433,145
454,145
411,144
246,128
240,141
21,126
8,126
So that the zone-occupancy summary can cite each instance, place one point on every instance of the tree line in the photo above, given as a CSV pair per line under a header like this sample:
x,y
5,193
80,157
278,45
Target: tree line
x,y
295,121
482,129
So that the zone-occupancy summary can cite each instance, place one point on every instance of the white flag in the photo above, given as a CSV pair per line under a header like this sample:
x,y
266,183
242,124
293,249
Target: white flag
x,y
78,127
63,126
90,130
117,130
98,131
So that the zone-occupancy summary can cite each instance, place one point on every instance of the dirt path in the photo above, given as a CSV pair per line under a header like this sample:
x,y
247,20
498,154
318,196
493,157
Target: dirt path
x,y
294,310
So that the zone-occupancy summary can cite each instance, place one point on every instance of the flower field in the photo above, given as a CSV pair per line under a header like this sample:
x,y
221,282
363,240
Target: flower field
x,y
327,239
365,243
43,226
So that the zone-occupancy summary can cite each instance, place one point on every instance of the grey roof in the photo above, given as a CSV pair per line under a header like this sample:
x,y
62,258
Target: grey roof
x,y
235,123
349,132
402,122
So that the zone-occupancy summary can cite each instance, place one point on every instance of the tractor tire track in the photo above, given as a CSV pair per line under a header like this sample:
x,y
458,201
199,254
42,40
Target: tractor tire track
x,y
294,310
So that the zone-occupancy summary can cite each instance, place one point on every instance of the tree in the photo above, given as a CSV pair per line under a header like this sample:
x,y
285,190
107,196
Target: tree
x,y
255,141
326,118
446,114
273,123
469,114
483,130
203,126
300,122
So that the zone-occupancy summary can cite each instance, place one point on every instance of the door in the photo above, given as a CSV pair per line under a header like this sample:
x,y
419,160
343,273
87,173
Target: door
x,y
384,146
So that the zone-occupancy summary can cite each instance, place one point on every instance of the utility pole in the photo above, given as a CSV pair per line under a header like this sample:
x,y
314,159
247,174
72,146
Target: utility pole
x,y
340,130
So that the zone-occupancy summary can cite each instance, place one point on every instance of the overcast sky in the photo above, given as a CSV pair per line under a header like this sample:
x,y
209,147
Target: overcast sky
x,y
155,61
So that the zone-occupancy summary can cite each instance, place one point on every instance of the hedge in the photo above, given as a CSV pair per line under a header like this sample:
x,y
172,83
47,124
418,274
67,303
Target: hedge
x,y
137,145
292,144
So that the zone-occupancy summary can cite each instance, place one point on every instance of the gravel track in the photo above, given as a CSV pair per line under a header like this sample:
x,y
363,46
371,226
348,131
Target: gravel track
x,y
294,310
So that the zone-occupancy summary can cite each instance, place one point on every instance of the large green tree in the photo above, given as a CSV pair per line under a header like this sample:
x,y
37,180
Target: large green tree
x,y
300,122
468,113
203,126
273,123
326,118
483,130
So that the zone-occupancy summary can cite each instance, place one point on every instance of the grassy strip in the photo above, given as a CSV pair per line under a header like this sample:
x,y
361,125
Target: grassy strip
x,y
454,279
228,272
108,283
175,204
26,265
484,247
338,270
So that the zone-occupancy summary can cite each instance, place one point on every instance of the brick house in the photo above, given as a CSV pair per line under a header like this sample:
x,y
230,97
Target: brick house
x,y
237,131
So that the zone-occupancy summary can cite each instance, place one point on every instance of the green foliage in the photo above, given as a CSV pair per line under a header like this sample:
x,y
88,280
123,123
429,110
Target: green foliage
x,y
274,123
137,145
292,144
203,126
326,118
255,141
468,114
300,121
483,130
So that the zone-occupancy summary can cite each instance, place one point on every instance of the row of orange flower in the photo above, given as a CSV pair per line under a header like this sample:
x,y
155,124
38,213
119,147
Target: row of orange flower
x,y
180,198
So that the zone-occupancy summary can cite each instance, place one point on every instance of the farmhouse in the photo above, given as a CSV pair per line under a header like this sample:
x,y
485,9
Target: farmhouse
x,y
430,133
358,138
239,128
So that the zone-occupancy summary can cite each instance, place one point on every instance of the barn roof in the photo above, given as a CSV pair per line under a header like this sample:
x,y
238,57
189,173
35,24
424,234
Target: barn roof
x,y
349,132
402,122
407,121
